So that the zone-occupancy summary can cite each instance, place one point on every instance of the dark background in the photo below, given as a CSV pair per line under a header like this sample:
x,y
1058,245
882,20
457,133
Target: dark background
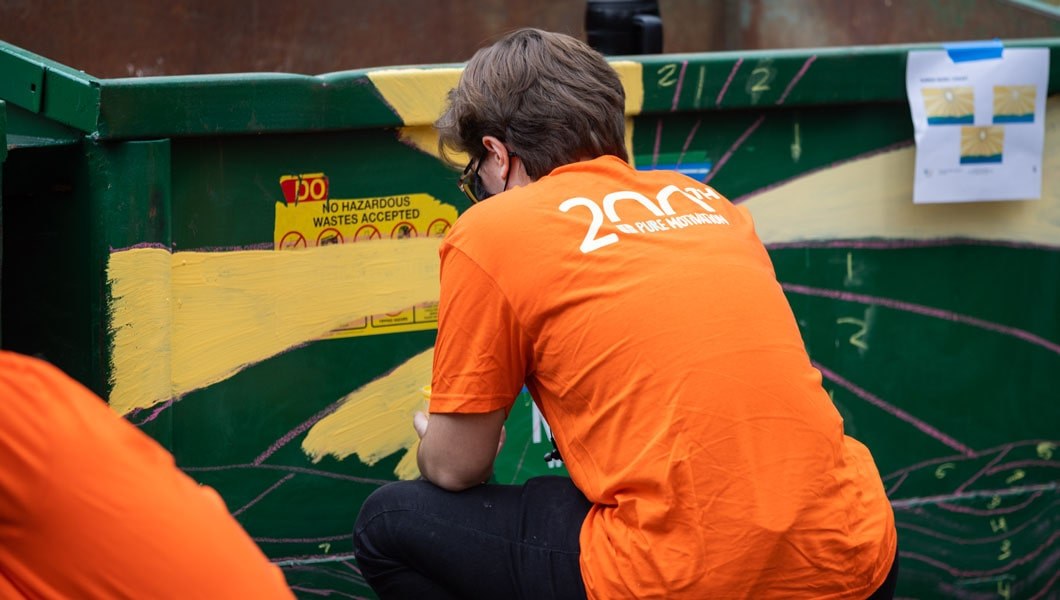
x,y
118,38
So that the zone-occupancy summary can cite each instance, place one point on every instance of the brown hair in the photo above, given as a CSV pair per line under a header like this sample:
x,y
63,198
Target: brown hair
x,y
549,97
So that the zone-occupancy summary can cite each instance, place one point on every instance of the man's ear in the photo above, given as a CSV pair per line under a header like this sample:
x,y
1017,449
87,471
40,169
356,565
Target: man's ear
x,y
497,152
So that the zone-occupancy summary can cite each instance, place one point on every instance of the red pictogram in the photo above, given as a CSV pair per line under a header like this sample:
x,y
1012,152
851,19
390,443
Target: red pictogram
x,y
292,240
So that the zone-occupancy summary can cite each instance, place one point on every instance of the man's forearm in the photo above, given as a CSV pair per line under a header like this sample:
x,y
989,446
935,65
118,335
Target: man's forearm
x,y
457,451
447,475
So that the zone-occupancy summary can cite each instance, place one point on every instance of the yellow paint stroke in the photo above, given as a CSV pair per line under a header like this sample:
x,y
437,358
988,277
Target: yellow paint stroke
x,y
375,421
418,96
142,326
187,320
631,75
873,198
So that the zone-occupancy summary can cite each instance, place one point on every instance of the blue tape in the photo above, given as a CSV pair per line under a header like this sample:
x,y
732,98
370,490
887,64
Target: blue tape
x,y
969,51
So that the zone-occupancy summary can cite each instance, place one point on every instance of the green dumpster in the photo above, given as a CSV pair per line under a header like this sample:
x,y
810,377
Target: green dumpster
x,y
245,267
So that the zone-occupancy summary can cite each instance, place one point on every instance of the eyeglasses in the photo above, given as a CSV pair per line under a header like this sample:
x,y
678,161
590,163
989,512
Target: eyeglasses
x,y
471,184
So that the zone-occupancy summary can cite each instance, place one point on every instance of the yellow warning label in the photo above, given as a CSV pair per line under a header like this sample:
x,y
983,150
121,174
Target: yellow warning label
x,y
311,218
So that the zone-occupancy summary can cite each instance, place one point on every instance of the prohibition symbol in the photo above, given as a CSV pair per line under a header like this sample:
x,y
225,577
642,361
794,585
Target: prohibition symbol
x,y
292,240
329,237
368,232
403,230
438,228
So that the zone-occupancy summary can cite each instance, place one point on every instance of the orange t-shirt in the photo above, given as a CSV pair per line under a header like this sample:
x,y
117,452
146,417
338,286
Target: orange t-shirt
x,y
90,507
644,315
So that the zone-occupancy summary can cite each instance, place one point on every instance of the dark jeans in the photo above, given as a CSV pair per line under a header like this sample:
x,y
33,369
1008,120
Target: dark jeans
x,y
886,589
416,540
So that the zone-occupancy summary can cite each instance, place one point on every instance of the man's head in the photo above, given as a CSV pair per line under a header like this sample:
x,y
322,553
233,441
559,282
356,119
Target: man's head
x,y
547,98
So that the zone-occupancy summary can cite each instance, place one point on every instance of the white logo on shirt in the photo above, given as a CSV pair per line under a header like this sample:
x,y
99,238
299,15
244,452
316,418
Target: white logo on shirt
x,y
666,217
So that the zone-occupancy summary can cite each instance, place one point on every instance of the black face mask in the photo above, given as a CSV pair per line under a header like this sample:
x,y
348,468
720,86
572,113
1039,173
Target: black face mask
x,y
479,188
471,183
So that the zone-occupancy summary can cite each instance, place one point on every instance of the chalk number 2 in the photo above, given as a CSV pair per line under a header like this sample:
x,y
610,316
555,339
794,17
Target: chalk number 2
x,y
667,75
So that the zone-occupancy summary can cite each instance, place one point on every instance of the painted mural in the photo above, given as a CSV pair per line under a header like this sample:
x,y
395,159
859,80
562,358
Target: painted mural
x,y
285,373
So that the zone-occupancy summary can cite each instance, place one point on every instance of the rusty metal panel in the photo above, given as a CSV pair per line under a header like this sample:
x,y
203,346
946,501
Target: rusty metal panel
x,y
109,38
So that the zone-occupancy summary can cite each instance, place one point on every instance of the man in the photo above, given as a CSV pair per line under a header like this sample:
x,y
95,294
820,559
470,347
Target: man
x,y
643,314
90,507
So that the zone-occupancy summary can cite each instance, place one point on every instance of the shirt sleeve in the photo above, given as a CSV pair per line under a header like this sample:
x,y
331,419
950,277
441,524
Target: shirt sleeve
x,y
481,354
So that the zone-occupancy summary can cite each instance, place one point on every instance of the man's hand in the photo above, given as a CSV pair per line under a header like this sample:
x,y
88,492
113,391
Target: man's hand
x,y
419,423
457,450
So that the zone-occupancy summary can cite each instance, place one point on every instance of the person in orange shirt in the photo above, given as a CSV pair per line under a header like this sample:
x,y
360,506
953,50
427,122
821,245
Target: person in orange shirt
x,y
644,316
91,507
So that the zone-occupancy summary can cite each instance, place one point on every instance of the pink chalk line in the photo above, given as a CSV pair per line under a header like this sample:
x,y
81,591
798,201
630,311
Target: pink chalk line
x,y
1048,587
739,141
869,154
158,245
936,461
898,484
522,458
157,411
982,471
895,411
311,559
314,591
680,82
315,540
688,140
658,140
897,243
970,541
1024,463
290,435
268,491
289,468
330,572
325,593
255,246
915,504
1005,510
981,573
926,311
725,87
794,80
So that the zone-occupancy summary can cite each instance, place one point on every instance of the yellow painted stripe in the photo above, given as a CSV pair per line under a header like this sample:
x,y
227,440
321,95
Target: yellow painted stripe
x,y
187,320
873,198
631,74
375,421
418,96
142,327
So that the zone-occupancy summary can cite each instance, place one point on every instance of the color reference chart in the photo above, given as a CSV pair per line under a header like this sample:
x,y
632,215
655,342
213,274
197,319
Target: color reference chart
x,y
979,115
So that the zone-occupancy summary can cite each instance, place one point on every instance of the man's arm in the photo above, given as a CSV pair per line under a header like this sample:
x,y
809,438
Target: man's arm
x,y
457,450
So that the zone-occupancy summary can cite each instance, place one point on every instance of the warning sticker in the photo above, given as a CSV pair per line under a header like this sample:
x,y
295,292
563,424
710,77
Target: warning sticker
x,y
310,217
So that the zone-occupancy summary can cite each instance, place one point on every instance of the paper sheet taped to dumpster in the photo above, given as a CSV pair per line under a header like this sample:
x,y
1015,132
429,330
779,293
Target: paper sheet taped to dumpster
x,y
310,217
979,121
